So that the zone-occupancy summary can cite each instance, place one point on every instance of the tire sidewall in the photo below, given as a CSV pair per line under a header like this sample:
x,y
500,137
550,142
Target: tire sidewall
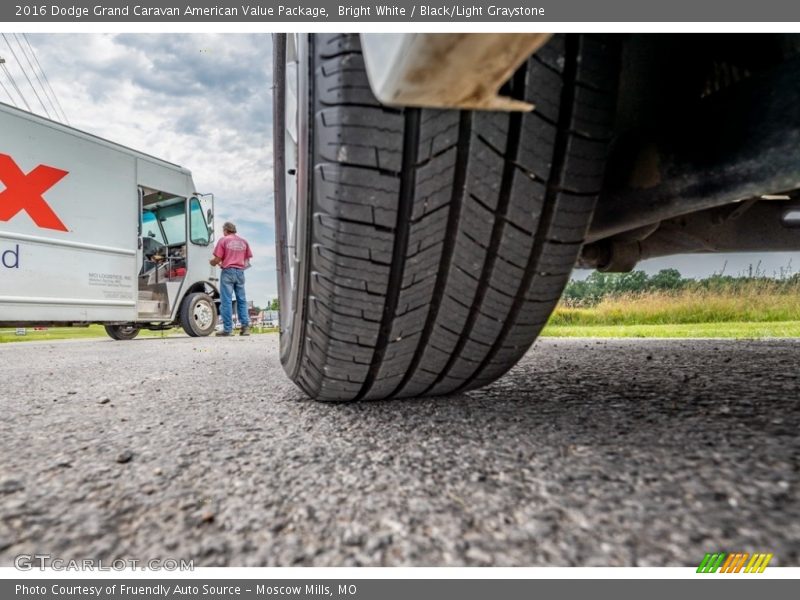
x,y
292,329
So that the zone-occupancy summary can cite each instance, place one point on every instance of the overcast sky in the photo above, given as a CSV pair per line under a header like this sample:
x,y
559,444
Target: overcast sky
x,y
204,102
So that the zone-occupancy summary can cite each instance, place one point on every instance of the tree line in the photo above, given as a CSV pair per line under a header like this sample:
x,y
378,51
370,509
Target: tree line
x,y
597,286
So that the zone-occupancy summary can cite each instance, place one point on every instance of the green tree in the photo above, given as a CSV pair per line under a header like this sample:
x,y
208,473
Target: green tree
x,y
667,279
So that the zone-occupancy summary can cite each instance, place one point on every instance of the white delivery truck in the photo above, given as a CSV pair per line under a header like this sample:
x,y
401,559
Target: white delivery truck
x,y
94,232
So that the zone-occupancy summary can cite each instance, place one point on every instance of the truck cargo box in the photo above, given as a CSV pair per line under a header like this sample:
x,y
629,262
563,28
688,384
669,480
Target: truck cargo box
x,y
70,225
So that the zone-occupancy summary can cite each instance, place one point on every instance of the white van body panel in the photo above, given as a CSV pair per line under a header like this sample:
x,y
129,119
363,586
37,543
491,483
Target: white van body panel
x,y
87,273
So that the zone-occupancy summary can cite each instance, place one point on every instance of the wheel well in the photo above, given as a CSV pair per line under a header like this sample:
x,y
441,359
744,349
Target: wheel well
x,y
703,122
664,77
201,287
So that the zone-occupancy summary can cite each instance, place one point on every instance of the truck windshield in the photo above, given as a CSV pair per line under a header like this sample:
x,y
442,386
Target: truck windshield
x,y
150,226
165,221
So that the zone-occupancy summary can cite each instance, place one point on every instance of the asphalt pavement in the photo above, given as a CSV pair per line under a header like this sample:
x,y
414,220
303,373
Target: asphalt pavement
x,y
589,453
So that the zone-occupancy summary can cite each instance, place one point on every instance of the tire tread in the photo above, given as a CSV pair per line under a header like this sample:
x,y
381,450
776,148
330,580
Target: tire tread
x,y
442,240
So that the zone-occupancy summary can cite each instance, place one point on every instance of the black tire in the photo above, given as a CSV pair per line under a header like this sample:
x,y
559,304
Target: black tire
x,y
122,332
196,319
438,242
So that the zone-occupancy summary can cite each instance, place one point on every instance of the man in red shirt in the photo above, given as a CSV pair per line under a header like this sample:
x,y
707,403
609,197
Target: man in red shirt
x,y
233,254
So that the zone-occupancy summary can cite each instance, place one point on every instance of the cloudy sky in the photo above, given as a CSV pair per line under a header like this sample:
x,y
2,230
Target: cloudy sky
x,y
202,101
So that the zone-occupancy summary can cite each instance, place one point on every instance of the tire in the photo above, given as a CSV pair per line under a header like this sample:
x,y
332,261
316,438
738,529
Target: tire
x,y
198,314
122,332
434,244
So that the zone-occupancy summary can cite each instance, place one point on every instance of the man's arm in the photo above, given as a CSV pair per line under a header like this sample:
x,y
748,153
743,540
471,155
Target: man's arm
x,y
219,252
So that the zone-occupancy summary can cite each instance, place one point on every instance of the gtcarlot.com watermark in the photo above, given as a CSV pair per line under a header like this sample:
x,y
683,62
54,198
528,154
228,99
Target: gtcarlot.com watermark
x,y
29,562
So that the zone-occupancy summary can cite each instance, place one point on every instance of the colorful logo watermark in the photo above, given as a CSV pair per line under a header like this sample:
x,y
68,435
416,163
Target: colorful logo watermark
x,y
735,562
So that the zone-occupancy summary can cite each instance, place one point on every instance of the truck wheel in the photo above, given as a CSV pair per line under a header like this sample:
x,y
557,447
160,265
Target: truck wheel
x,y
198,314
422,251
122,332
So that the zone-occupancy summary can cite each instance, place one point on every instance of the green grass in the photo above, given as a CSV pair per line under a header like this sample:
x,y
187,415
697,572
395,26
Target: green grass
x,y
92,331
735,329
755,310
683,308
760,309
53,333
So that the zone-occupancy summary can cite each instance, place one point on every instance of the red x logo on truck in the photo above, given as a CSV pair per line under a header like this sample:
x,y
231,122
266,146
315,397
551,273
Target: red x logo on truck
x,y
24,192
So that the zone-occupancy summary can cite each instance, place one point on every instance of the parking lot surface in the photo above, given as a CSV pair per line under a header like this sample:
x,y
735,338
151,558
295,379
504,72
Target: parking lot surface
x,y
589,453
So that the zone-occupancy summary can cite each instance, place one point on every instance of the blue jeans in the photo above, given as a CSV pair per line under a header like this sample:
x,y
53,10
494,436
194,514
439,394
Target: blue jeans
x,y
232,282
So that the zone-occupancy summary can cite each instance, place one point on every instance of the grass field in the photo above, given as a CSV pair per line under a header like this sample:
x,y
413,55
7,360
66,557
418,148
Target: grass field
x,y
756,310
688,306
739,330
92,331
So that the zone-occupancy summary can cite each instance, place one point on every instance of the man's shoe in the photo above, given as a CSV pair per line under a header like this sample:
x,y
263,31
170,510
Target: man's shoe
x,y
223,334
245,330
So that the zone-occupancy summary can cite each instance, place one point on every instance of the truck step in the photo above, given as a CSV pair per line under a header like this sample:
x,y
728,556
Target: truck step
x,y
150,308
